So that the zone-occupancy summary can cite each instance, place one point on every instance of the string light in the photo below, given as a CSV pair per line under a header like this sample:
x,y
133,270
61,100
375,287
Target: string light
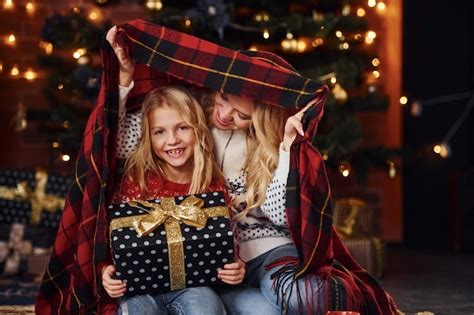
x,y
403,100
381,7
360,12
14,72
346,10
55,144
60,86
8,4
66,124
317,42
372,3
333,80
79,53
1,66
325,156
376,74
375,62
392,169
266,34
10,40
95,15
154,5
30,7
65,157
47,47
416,110
443,149
187,22
370,36
340,95
344,46
289,35
30,74
345,168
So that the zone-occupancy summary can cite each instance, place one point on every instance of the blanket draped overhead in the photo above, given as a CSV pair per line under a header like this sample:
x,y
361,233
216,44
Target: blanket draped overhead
x,y
72,282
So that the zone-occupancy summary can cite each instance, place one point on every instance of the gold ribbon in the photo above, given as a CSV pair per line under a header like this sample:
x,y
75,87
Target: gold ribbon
x,y
38,198
12,251
189,212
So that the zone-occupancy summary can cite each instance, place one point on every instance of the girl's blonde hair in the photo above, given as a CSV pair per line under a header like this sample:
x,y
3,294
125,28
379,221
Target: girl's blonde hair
x,y
264,136
143,160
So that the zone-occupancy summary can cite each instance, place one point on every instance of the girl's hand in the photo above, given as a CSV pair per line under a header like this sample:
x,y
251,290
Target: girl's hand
x,y
293,125
115,288
233,273
127,65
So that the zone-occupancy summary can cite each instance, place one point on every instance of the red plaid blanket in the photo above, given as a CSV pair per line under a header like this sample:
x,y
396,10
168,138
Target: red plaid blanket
x,y
72,283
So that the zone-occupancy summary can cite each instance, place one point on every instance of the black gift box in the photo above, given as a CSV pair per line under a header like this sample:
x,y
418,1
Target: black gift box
x,y
155,263
15,208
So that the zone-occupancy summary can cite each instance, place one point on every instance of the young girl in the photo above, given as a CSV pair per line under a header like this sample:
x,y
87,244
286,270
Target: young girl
x,y
173,157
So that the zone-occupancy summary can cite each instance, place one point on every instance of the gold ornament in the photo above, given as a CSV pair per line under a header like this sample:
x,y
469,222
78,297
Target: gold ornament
x,y
38,198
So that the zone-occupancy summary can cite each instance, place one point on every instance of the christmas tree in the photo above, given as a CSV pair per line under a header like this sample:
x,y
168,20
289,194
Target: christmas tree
x,y
330,41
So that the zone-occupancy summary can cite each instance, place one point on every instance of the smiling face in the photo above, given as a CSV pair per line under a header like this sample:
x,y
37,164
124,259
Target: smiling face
x,y
172,140
232,112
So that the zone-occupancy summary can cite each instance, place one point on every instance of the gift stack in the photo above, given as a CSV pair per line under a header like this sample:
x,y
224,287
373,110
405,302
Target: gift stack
x,y
355,223
171,243
31,204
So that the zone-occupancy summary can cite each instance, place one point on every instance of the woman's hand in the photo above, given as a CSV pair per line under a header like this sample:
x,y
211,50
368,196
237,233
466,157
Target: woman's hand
x,y
127,65
115,288
233,273
293,125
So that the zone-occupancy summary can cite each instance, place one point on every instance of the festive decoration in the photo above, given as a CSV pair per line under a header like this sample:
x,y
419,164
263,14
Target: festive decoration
x,y
12,251
177,233
38,198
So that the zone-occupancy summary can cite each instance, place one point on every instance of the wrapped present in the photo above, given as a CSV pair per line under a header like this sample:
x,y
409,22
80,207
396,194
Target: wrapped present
x,y
368,252
22,246
171,243
32,197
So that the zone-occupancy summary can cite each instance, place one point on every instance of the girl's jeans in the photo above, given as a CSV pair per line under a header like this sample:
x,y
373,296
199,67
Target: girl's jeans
x,y
197,300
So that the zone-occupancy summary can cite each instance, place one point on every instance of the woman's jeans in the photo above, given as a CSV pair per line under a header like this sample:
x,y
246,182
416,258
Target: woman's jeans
x,y
259,295
197,300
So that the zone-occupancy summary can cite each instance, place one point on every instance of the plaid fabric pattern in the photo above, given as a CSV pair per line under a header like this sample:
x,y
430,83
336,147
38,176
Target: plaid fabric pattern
x,y
72,284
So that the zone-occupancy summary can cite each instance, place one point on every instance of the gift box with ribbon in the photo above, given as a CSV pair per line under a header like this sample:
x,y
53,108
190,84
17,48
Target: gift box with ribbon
x,y
31,197
171,243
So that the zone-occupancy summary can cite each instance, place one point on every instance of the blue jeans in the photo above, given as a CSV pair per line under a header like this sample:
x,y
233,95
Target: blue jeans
x,y
248,300
197,300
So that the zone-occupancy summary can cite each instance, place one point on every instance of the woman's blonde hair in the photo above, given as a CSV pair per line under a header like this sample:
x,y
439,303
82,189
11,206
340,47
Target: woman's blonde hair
x,y
264,136
143,160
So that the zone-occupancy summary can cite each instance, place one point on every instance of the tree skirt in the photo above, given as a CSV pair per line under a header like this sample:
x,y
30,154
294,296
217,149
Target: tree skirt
x,y
17,296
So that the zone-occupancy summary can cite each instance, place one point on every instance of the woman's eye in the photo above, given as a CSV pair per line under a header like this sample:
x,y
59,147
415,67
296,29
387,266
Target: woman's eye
x,y
184,127
158,132
243,116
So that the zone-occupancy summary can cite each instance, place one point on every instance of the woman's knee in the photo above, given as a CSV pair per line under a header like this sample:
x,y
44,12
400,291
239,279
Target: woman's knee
x,y
197,300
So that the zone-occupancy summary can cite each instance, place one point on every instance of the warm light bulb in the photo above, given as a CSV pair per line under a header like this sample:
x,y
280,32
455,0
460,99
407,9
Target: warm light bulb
x,y
344,168
360,12
289,35
372,3
392,169
65,157
253,48
346,10
10,40
338,34
60,86
266,34
301,46
8,4
375,62
333,80
66,124
15,71
154,5
381,7
30,75
30,7
403,100
79,53
1,66
370,36
317,42
416,109
445,150
376,74
344,46
187,22
93,16
55,144
47,47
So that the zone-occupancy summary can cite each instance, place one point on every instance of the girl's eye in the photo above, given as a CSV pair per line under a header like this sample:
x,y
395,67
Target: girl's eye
x,y
158,132
183,127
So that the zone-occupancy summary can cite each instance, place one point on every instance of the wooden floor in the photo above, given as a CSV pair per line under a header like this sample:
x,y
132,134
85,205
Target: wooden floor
x,y
439,282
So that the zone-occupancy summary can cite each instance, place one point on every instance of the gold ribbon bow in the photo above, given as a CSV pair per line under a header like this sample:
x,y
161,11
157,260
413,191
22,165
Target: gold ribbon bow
x,y
38,198
189,212
14,249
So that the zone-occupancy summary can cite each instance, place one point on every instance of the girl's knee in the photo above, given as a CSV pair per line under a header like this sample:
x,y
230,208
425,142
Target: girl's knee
x,y
138,304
